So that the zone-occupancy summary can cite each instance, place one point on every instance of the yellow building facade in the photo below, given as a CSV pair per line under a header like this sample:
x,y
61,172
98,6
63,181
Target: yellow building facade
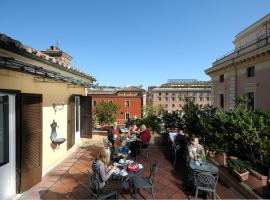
x,y
44,113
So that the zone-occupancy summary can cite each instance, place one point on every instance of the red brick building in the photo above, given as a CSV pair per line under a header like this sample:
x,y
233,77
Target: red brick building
x,y
130,100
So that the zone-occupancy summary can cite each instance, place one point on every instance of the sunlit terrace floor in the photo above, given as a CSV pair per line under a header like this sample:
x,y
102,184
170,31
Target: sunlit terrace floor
x,y
69,179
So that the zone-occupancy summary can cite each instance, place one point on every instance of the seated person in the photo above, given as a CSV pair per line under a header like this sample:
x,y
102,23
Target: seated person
x,y
122,150
180,139
100,169
173,134
134,129
143,140
195,150
114,132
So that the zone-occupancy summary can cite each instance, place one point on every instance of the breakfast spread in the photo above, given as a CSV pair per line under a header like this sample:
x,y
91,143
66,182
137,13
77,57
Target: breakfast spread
x,y
134,167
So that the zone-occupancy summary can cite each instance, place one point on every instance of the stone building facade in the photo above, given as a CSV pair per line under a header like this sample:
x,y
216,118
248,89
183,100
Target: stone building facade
x,y
172,95
245,70
130,100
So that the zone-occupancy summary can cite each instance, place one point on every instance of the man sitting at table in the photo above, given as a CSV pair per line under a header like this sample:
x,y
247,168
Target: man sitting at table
x,y
143,140
180,139
114,132
195,150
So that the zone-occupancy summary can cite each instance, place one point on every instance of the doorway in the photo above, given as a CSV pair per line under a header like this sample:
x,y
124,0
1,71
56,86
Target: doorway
x,y
7,146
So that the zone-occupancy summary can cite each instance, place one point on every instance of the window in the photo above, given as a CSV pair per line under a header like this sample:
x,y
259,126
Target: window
x,y
221,78
173,94
166,93
159,98
94,103
166,105
173,99
251,101
4,131
127,115
251,71
180,105
180,98
173,105
159,94
221,100
166,98
127,104
201,99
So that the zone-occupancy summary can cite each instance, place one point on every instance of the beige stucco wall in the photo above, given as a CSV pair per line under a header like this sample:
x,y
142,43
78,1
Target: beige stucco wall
x,y
241,84
178,104
52,92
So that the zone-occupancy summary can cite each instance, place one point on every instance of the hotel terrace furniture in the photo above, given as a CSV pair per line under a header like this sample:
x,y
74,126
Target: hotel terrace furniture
x,y
95,191
206,182
146,182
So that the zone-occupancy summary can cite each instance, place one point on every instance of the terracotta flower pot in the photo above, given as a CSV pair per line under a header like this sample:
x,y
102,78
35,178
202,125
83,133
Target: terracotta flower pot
x,y
257,181
221,158
242,176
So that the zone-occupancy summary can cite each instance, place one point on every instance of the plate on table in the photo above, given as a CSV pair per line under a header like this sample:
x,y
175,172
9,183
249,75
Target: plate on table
x,y
117,171
123,173
129,161
140,166
121,161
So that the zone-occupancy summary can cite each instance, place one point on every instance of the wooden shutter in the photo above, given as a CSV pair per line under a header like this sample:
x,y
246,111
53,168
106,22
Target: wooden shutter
x,y
31,140
71,123
86,117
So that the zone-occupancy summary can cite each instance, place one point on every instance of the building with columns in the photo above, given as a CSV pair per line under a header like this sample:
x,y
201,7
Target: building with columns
x,y
172,95
245,70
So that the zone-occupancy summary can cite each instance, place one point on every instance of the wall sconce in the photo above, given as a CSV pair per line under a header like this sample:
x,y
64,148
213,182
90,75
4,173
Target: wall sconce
x,y
57,106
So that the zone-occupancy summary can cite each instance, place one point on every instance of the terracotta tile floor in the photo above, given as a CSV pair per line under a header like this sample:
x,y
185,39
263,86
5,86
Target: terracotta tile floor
x,y
69,179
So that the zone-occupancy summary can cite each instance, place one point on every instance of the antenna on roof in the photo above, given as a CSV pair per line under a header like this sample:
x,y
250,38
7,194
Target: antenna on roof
x,y
57,43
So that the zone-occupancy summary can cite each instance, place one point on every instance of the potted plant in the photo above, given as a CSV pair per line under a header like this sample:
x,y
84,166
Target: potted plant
x,y
257,181
239,168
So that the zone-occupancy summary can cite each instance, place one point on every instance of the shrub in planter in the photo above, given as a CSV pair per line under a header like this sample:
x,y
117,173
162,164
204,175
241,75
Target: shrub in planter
x,y
238,168
257,181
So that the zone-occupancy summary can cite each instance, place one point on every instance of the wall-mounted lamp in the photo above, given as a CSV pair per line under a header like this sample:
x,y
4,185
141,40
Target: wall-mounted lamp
x,y
58,106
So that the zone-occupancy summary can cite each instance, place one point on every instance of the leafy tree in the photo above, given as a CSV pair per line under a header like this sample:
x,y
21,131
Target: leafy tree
x,y
106,112
191,117
173,119
156,110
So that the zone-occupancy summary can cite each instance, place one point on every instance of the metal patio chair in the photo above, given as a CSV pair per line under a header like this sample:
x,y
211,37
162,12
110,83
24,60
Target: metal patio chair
x,y
205,182
146,182
143,149
95,191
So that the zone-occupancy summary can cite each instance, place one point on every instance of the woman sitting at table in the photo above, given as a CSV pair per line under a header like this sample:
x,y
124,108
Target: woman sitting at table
x,y
122,150
195,150
134,129
101,170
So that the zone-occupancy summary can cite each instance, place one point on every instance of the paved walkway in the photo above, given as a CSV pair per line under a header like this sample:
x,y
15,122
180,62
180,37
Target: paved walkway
x,y
69,179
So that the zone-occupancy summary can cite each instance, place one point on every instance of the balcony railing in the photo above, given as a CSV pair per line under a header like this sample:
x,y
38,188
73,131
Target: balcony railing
x,y
251,46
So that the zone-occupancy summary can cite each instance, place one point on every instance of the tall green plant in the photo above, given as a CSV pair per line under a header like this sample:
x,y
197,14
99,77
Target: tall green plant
x,y
173,119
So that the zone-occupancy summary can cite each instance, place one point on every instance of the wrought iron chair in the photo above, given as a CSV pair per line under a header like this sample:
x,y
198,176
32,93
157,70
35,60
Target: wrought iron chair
x,y
143,149
95,191
142,182
206,182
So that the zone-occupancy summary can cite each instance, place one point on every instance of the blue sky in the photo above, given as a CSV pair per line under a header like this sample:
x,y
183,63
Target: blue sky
x,y
133,42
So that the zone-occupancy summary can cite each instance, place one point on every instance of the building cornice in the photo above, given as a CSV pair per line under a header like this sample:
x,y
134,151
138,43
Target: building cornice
x,y
17,47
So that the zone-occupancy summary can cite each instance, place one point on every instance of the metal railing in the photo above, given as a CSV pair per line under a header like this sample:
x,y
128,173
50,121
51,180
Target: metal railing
x,y
249,47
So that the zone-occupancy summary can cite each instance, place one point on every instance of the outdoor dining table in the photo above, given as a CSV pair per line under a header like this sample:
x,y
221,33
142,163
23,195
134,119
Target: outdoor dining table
x,y
126,178
203,167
